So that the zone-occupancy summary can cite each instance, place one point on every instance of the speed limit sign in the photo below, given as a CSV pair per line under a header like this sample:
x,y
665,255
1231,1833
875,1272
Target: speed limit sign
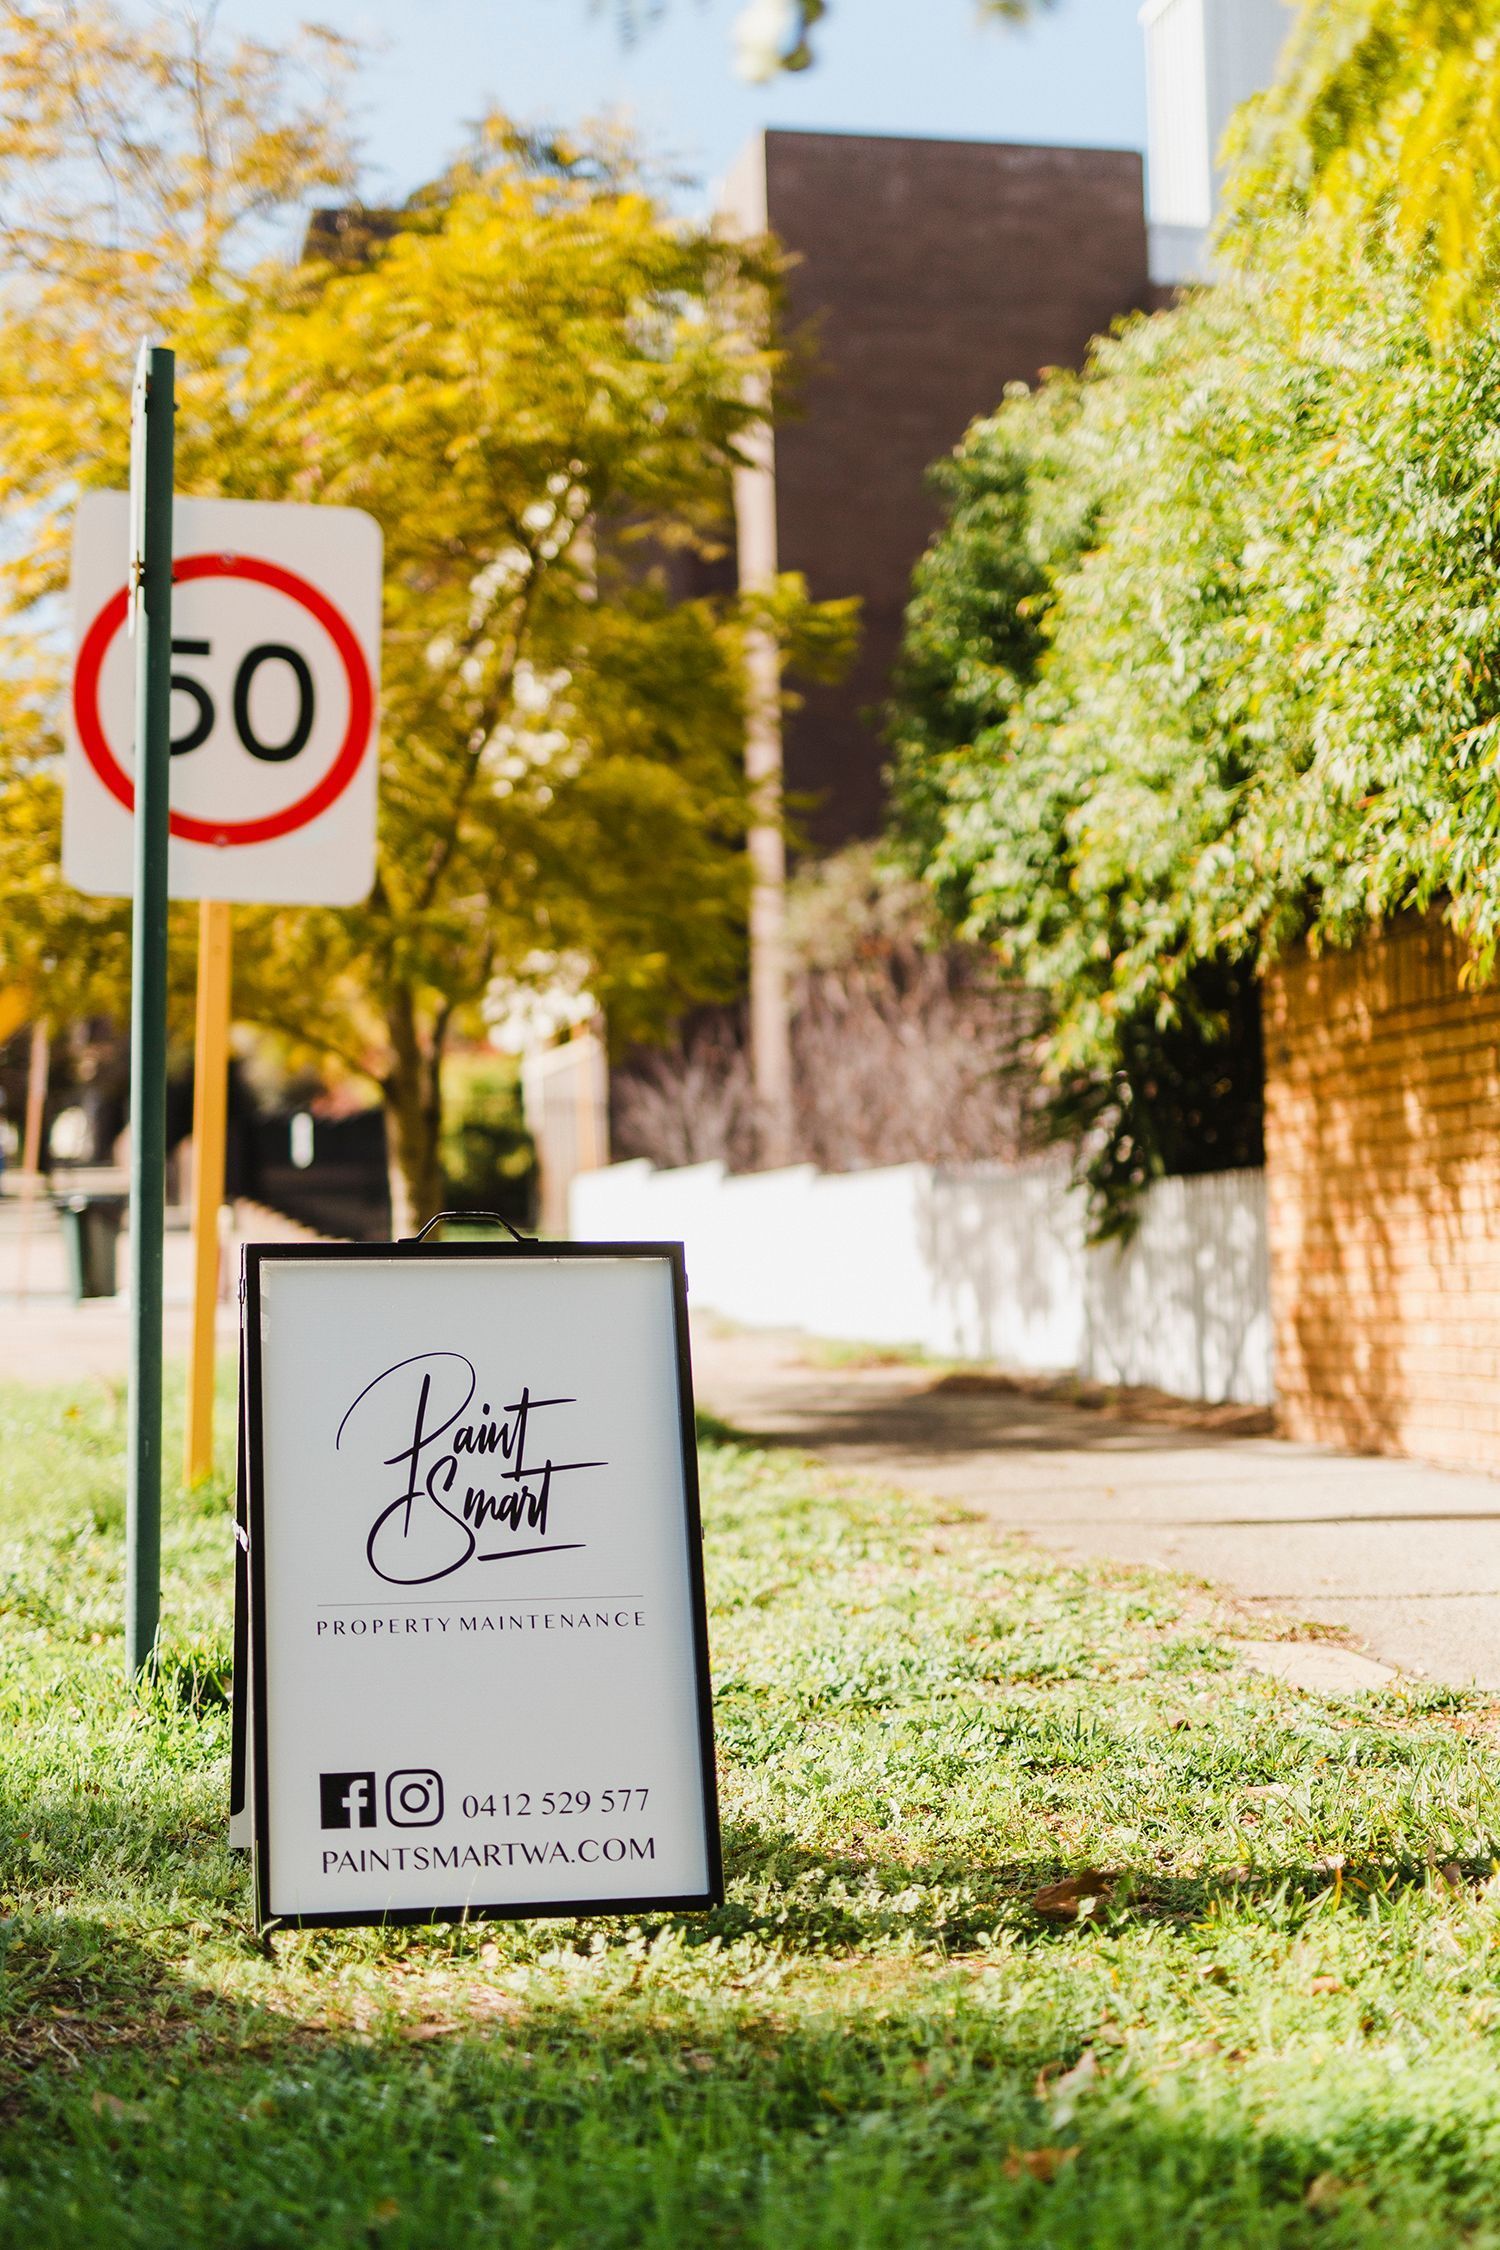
x,y
275,680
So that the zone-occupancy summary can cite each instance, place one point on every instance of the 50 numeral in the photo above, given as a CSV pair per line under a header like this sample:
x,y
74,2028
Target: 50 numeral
x,y
264,652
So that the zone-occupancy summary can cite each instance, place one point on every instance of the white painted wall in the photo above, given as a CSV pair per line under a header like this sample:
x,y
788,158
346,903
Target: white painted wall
x,y
984,1262
1186,1304
1203,58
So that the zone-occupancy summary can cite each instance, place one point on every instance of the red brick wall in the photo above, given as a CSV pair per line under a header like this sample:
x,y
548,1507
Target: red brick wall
x,y
1383,1178
927,276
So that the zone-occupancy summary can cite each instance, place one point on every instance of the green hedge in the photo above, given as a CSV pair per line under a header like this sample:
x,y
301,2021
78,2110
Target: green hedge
x,y
1250,688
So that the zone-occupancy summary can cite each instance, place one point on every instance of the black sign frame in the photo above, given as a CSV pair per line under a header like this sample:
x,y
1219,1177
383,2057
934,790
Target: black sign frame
x,y
255,1257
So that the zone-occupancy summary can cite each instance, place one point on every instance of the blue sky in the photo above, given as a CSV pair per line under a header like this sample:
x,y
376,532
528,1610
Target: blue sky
x,y
898,66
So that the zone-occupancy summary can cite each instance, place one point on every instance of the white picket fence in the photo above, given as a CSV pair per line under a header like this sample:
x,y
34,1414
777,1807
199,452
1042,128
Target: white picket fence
x,y
984,1262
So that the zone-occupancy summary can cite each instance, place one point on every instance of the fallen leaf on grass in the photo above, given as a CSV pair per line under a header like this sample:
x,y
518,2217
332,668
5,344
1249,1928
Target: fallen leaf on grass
x,y
418,2031
1037,2163
383,2213
110,2105
1065,2093
1326,1984
1074,1897
1073,2081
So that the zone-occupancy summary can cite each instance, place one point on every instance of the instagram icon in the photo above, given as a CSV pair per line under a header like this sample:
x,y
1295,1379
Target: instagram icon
x,y
414,1798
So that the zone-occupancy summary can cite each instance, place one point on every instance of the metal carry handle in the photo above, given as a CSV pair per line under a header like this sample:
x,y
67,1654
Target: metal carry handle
x,y
489,1218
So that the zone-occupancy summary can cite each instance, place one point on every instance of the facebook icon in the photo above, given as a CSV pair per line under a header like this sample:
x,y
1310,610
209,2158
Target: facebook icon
x,y
348,1799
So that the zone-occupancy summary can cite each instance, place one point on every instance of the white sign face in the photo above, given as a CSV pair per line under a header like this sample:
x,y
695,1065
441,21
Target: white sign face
x,y
479,1657
275,676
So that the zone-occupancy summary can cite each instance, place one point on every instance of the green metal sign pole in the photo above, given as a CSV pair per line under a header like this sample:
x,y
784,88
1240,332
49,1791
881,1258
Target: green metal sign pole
x,y
153,408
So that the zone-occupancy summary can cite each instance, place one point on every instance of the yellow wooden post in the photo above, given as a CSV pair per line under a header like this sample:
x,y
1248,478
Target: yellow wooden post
x,y
36,1099
210,1115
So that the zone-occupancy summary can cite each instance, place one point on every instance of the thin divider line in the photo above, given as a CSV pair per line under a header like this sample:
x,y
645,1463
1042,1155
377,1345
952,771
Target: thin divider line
x,y
489,1601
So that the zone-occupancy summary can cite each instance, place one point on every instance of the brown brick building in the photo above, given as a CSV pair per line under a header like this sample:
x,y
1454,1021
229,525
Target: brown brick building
x,y
1383,1179
927,276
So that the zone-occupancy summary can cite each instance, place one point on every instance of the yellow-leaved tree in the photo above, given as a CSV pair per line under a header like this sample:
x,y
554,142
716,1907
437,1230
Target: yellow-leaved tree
x,y
141,162
537,382
1385,123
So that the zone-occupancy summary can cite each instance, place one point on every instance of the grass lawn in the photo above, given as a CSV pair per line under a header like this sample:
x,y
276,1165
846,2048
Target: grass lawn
x,y
1280,2026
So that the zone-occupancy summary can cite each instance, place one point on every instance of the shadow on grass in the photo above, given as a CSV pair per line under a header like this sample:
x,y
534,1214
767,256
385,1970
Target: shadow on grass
x,y
622,2114
400,2090
831,1900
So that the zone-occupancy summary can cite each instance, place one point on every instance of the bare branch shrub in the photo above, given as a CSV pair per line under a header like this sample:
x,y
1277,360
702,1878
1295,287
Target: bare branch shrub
x,y
904,1048
688,1103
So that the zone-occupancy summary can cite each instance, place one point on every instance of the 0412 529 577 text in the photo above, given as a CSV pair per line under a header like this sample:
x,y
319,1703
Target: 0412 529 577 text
x,y
521,1804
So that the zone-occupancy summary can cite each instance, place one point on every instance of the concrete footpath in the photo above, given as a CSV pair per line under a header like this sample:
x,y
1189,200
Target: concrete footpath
x,y
1405,1558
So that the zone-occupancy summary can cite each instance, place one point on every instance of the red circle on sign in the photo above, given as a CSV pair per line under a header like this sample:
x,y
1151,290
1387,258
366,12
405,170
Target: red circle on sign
x,y
271,825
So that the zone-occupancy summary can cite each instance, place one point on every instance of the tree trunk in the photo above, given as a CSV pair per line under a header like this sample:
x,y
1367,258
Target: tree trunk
x,y
413,1118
